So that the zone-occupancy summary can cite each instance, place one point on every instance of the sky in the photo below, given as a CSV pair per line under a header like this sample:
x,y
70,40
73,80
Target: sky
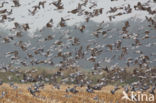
x,y
42,16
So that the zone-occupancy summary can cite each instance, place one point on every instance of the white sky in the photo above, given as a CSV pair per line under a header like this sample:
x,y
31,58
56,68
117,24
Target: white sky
x,y
42,16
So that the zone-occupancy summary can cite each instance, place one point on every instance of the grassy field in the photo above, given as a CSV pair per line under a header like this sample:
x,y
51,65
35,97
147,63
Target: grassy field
x,y
52,95
34,72
49,94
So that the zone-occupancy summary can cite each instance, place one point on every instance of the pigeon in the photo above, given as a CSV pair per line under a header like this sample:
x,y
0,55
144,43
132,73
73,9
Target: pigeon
x,y
3,93
1,82
114,90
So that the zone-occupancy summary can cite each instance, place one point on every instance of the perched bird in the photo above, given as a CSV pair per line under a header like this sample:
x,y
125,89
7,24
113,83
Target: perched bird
x,y
89,90
72,90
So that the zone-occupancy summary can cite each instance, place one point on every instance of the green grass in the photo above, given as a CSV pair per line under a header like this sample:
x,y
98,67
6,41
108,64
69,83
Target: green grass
x,y
48,72
4,77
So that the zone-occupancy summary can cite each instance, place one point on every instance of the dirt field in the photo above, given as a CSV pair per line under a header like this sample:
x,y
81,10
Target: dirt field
x,y
51,95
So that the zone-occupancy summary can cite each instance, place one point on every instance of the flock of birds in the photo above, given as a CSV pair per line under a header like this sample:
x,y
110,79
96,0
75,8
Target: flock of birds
x,y
69,58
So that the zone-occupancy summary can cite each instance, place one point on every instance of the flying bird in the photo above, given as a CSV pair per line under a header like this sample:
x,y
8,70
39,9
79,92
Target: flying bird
x,y
16,3
58,4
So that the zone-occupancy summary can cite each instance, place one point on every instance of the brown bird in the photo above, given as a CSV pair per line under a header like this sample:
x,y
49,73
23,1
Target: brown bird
x,y
18,34
85,3
26,27
118,44
97,12
49,24
147,32
59,54
34,10
112,10
82,28
4,17
96,34
110,46
74,11
149,19
93,5
87,19
30,55
62,22
15,53
38,51
80,53
127,24
47,53
137,42
124,28
16,25
58,4
124,51
91,59
22,46
128,9
49,38
16,3
23,63
42,3
3,11
76,41
6,40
